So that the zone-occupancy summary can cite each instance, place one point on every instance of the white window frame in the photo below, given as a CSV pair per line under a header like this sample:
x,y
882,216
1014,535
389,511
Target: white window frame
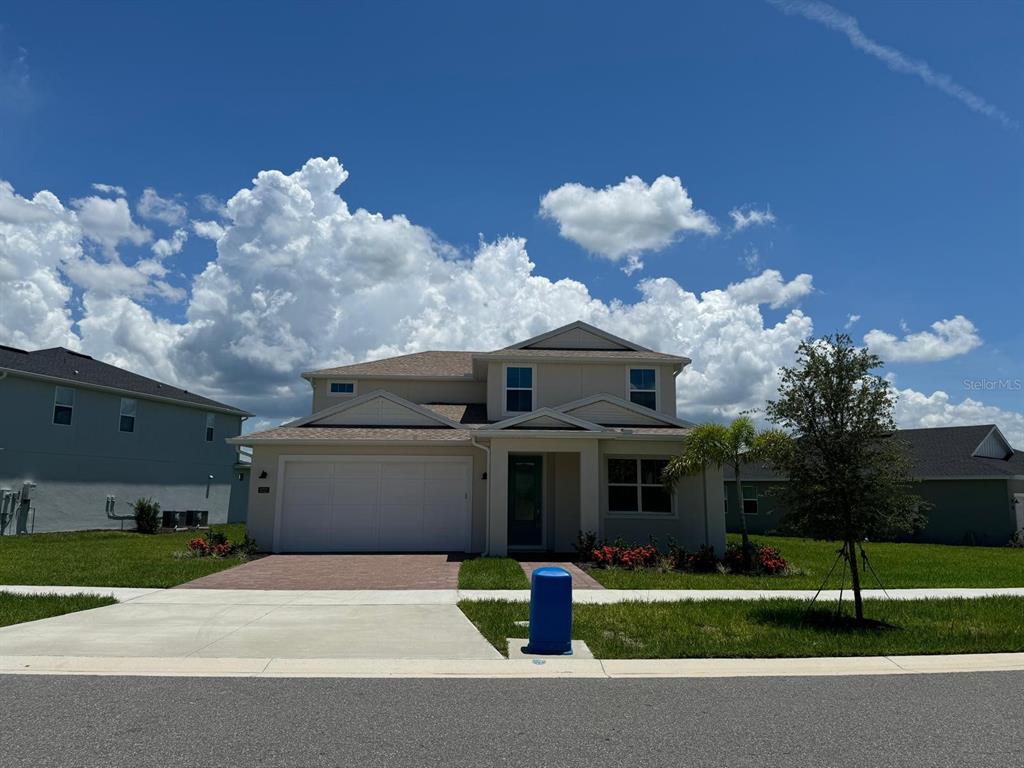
x,y
756,500
673,513
629,385
53,412
133,415
210,432
505,388
341,394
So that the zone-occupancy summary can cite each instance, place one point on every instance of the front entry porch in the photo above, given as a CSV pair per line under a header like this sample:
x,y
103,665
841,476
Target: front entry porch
x,y
542,493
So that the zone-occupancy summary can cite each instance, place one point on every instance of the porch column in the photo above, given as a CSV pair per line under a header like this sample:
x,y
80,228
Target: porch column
x,y
497,490
590,490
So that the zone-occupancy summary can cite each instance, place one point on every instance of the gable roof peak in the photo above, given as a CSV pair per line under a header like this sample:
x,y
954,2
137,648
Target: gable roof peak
x,y
579,335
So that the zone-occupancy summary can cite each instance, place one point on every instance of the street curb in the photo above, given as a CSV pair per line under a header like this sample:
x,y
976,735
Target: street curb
x,y
554,668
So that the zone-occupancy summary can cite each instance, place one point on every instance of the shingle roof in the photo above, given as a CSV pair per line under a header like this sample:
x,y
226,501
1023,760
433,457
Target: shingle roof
x,y
946,452
465,413
74,367
582,354
435,363
934,452
356,434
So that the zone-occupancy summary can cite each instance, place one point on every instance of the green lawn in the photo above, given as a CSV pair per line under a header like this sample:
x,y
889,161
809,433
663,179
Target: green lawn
x,y
15,609
772,628
492,573
897,565
106,558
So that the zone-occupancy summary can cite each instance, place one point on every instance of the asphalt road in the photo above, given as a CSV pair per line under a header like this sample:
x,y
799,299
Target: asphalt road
x,y
867,722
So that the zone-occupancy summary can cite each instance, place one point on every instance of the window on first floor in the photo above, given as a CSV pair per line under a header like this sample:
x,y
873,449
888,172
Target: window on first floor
x,y
126,421
749,500
63,405
634,485
519,389
210,419
643,387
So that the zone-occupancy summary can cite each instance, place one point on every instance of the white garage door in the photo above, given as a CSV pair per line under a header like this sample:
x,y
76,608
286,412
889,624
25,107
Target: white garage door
x,y
398,504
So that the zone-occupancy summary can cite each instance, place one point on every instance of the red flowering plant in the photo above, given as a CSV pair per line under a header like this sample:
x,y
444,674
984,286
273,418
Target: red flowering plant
x,y
215,544
198,546
621,555
765,560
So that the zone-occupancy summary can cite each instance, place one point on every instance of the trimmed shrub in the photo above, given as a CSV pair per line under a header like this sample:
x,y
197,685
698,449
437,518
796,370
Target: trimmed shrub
x,y
147,515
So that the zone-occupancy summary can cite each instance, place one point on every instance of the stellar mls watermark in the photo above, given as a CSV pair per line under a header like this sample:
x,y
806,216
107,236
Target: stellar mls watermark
x,y
994,385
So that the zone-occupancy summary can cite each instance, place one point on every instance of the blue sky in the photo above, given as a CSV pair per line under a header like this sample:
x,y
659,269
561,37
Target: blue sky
x,y
900,196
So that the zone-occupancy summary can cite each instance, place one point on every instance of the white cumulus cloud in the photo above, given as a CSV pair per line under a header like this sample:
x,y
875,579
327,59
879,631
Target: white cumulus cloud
x,y
948,338
209,230
168,246
301,281
622,221
152,206
109,222
917,409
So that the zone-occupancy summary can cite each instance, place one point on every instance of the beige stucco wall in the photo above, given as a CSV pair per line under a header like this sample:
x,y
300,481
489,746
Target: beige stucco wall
x,y
414,391
266,458
560,383
687,523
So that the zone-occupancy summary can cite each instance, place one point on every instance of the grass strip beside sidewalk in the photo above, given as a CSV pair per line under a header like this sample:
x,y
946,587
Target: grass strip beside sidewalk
x,y
492,573
15,609
772,628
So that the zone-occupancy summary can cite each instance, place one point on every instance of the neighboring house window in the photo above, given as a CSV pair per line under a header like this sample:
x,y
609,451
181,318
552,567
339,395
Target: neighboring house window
x,y
643,387
342,387
634,485
749,500
518,389
63,405
127,420
209,427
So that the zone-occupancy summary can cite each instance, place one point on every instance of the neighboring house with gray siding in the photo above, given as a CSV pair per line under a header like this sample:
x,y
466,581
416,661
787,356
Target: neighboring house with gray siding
x,y
83,430
515,449
971,476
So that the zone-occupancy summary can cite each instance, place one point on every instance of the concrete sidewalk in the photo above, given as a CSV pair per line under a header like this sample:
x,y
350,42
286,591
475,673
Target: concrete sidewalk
x,y
452,596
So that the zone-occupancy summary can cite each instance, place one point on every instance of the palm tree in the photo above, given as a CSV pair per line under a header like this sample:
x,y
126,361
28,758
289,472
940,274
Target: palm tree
x,y
719,445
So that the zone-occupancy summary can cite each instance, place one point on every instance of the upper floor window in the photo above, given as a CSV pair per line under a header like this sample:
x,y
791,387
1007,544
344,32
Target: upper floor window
x,y
126,423
643,389
634,485
518,389
63,405
209,427
342,387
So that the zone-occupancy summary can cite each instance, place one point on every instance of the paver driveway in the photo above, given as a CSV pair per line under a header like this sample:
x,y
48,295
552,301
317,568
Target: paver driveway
x,y
337,572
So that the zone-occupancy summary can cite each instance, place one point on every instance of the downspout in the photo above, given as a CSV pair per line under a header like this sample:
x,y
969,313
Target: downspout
x,y
487,499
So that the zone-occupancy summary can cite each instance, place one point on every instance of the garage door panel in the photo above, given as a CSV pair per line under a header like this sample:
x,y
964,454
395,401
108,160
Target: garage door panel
x,y
309,528
354,512
355,504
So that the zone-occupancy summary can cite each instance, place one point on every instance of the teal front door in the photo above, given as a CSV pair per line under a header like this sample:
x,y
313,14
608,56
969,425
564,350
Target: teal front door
x,y
525,501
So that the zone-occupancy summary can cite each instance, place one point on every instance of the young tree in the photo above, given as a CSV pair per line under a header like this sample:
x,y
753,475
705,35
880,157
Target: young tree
x,y
718,445
848,473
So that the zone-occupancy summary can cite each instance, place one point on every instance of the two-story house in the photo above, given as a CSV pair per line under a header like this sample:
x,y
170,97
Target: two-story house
x,y
81,431
514,449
